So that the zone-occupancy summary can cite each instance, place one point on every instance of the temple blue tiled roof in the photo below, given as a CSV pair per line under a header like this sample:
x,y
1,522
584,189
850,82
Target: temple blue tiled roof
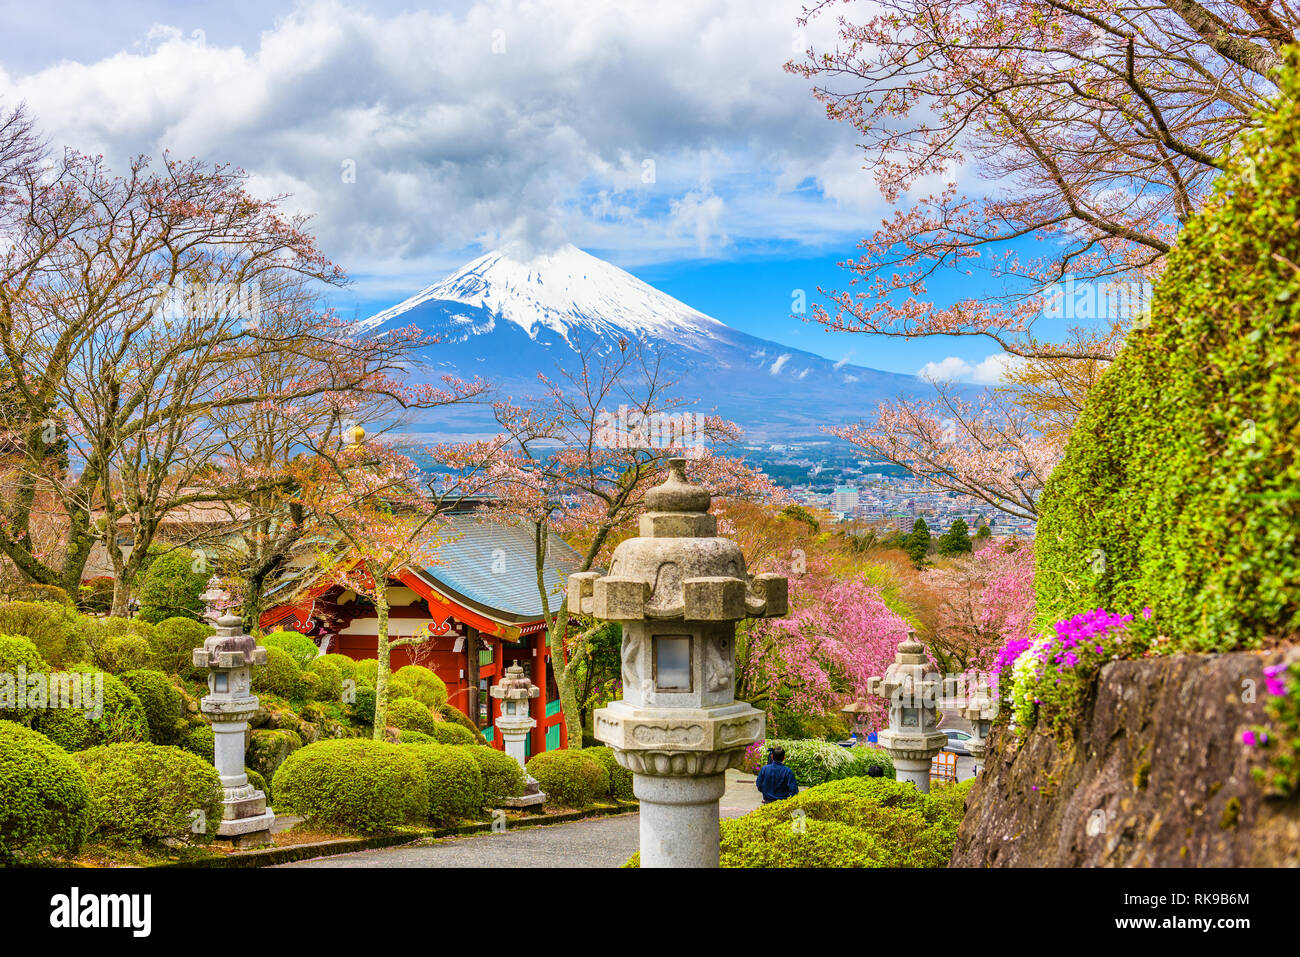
x,y
491,564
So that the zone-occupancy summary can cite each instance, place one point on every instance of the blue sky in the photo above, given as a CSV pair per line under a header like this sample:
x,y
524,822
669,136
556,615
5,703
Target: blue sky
x,y
662,136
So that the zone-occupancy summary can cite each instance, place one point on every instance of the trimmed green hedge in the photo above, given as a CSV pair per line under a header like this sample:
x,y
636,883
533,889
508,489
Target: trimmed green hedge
x,y
279,676
161,700
49,625
569,778
453,779
1177,491
854,822
141,793
123,719
450,712
173,642
171,588
620,778
329,679
447,733
44,802
425,686
407,714
269,748
354,784
299,646
201,741
17,651
347,668
816,762
502,775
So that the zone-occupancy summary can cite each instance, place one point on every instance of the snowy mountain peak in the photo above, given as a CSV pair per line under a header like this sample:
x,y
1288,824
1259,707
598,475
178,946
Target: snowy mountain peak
x,y
564,290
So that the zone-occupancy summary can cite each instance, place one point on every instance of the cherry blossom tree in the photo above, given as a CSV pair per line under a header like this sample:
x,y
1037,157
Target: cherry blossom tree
x,y
984,601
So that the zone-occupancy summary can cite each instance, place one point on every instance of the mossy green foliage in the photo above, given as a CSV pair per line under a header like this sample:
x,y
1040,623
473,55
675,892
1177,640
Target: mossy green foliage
x,y
415,737
17,652
365,672
269,748
455,783
355,784
423,685
854,822
1178,489
201,742
620,778
569,778
865,758
173,642
502,775
447,733
259,782
49,625
171,588
120,653
302,648
96,634
123,719
329,680
161,701
450,712
409,714
279,676
141,793
362,709
347,668
44,802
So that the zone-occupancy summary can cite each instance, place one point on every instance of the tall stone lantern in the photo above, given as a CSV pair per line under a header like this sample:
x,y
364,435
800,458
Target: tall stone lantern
x,y
980,710
678,590
229,656
912,738
516,692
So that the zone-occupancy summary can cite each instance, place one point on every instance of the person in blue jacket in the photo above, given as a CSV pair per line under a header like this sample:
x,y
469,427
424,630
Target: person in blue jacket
x,y
776,782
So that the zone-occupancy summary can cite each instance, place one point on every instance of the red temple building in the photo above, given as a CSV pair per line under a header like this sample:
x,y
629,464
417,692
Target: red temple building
x,y
481,604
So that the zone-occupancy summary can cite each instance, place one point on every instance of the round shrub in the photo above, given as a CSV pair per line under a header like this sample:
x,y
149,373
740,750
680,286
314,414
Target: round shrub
x,y
354,784
308,687
813,762
447,733
329,678
93,634
620,778
502,775
144,792
347,667
362,708
173,642
161,702
865,758
415,737
365,672
120,653
279,676
426,687
122,719
450,712
171,588
16,653
455,783
1177,489
44,802
408,714
302,648
569,778
50,626
201,742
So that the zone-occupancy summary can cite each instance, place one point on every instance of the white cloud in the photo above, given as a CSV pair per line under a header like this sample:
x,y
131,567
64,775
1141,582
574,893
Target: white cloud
x,y
662,131
779,364
988,371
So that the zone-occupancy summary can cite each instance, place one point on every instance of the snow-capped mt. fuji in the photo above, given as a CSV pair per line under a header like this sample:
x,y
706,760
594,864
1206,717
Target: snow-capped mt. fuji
x,y
562,291
507,318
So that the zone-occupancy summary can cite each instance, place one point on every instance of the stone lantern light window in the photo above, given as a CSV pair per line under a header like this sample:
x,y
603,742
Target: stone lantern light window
x,y
672,663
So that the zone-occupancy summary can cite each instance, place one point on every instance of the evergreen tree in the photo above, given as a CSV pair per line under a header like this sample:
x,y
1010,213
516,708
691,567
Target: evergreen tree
x,y
918,543
955,541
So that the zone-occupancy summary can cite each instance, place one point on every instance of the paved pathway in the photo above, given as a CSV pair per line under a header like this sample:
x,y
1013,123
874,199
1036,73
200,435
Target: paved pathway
x,y
596,842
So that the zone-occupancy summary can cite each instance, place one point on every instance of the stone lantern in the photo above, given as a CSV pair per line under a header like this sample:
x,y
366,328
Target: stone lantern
x,y
229,656
860,719
678,591
912,738
980,710
516,692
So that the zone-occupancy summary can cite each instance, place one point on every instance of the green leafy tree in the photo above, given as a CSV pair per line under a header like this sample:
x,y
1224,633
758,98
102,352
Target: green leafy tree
x,y
171,588
955,541
918,543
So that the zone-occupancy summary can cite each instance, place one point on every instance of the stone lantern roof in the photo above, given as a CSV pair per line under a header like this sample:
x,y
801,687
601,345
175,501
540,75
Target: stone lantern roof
x,y
515,686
